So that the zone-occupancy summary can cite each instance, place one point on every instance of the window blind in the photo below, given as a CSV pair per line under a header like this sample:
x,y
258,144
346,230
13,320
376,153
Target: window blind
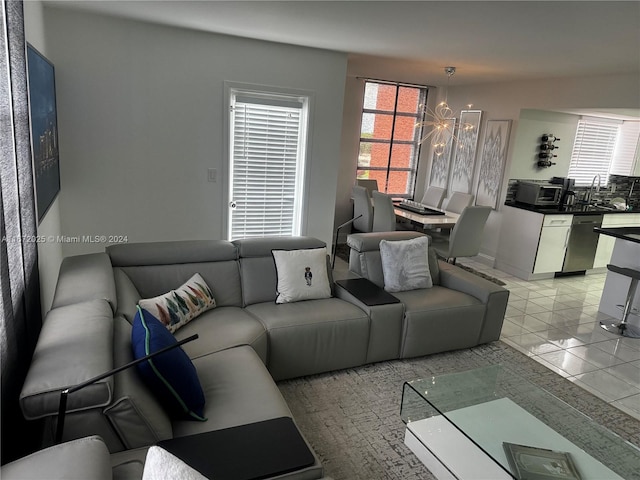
x,y
266,187
593,149
624,156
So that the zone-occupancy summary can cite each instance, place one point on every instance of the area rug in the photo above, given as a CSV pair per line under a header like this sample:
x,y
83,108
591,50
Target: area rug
x,y
352,417
480,274
342,251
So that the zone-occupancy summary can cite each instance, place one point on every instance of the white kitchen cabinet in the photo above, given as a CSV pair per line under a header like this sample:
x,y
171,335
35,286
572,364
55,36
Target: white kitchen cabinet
x,y
532,245
606,242
552,245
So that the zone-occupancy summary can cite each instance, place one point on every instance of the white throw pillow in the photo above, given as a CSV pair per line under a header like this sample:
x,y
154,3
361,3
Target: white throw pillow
x,y
160,465
405,264
302,274
178,307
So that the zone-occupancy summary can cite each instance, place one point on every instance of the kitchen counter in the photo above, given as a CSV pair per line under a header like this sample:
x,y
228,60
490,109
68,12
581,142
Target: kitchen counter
x,y
631,234
572,209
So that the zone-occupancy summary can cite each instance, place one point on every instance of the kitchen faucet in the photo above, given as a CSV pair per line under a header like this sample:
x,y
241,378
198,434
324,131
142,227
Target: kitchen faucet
x,y
590,193
628,199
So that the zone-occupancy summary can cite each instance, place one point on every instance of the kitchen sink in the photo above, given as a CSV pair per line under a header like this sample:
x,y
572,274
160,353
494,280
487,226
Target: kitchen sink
x,y
598,208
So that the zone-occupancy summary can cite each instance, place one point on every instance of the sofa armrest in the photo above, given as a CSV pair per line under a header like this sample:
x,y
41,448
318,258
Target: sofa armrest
x,y
86,457
85,277
75,344
458,279
493,296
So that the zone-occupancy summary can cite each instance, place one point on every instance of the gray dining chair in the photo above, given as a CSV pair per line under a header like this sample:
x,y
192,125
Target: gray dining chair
x,y
465,237
458,202
433,197
368,183
384,218
362,206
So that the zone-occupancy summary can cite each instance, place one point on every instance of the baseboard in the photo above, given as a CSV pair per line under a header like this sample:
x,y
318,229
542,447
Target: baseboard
x,y
485,259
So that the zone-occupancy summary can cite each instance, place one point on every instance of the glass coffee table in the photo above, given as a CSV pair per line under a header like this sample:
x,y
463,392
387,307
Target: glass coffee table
x,y
489,423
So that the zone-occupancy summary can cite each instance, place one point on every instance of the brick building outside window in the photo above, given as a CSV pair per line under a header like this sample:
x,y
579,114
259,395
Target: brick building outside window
x,y
389,140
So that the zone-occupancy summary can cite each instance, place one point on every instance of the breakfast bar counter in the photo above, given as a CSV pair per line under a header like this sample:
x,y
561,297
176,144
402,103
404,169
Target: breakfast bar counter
x,y
631,234
626,253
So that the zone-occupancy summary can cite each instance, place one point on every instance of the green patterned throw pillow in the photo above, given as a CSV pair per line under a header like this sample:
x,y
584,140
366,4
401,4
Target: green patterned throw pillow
x,y
178,307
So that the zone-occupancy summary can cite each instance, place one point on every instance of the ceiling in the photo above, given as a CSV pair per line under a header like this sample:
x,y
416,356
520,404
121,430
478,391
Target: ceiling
x,y
412,41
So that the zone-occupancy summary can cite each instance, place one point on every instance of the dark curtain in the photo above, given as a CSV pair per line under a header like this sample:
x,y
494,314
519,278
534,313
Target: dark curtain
x,y
20,317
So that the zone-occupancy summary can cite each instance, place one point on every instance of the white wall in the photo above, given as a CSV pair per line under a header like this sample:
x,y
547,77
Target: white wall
x,y
141,113
504,101
349,150
526,146
49,252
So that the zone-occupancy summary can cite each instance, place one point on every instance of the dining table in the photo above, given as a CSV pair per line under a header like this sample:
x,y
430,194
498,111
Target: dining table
x,y
443,220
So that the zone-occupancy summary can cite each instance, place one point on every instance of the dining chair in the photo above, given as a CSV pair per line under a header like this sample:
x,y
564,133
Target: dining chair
x,y
369,184
433,197
458,201
362,206
465,237
384,218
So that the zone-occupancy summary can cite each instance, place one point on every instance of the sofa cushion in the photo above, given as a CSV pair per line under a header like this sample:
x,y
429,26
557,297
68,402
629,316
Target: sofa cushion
x,y
222,328
405,264
171,253
83,458
259,279
75,345
238,389
302,274
171,376
157,267
313,336
154,280
178,307
431,315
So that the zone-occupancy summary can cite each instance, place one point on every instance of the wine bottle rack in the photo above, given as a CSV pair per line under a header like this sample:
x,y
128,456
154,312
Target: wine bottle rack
x,y
547,147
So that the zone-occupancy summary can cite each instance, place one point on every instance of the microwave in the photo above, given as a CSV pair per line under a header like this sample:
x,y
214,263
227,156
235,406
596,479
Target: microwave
x,y
538,194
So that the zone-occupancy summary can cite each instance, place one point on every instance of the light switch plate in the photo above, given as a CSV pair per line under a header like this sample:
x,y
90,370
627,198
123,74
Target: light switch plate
x,y
212,174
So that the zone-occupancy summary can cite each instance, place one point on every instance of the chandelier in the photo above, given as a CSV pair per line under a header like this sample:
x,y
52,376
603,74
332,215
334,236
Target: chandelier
x,y
440,121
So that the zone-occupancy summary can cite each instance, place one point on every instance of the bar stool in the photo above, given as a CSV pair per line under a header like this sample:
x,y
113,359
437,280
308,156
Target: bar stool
x,y
624,328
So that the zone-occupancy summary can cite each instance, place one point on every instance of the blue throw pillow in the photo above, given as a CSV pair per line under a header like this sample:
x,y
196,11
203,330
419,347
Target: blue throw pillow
x,y
171,376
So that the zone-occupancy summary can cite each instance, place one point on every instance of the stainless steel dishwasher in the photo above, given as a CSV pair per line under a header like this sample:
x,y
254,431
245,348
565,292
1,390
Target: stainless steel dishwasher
x,y
582,244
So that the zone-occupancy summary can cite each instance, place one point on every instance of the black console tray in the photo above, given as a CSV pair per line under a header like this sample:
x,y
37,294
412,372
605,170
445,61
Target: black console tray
x,y
367,292
247,452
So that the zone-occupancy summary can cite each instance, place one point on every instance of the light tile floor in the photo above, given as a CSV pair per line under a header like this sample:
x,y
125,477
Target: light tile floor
x,y
556,322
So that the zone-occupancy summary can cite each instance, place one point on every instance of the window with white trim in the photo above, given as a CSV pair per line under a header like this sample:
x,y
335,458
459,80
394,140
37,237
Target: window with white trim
x,y
603,146
267,162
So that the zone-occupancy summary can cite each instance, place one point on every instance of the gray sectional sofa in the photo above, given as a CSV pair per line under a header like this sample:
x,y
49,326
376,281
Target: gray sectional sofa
x,y
246,343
